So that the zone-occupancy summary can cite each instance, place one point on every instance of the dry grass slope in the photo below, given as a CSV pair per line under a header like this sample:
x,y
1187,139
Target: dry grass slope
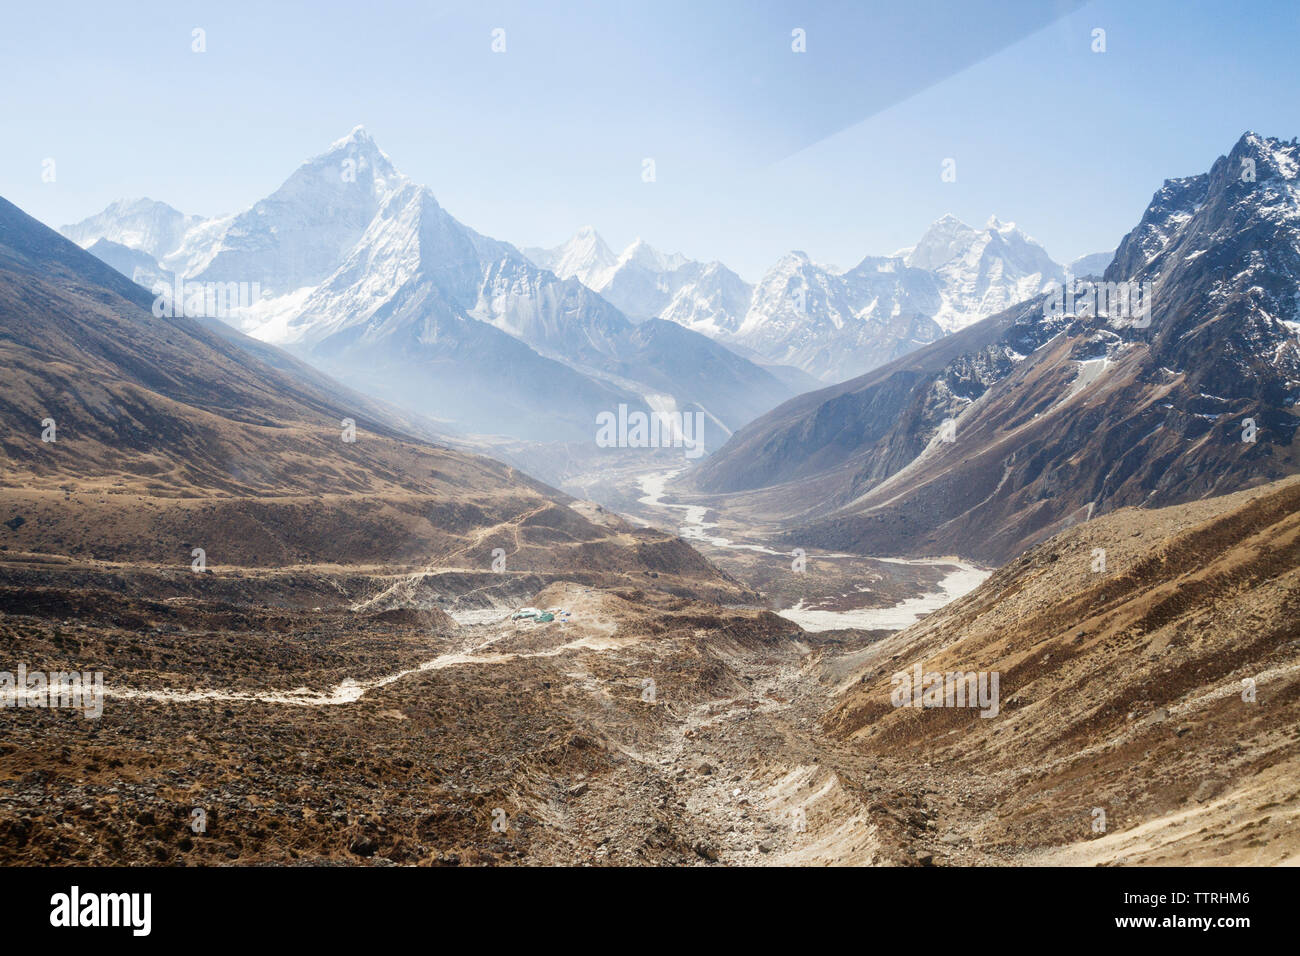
x,y
1121,689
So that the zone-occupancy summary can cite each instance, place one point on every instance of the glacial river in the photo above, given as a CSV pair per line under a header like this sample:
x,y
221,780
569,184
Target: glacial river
x,y
963,579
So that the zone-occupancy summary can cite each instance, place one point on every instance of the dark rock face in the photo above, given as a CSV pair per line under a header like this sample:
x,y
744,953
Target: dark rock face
x,y
1062,414
1174,203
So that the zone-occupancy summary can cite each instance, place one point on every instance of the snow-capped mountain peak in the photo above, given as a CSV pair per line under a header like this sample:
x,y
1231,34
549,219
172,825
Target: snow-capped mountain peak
x,y
644,282
295,237
585,257
947,238
357,158
981,271
356,136
146,225
835,324
357,268
642,254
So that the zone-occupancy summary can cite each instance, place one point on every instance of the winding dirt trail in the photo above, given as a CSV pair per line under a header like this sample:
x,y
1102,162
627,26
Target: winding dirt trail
x,y
350,690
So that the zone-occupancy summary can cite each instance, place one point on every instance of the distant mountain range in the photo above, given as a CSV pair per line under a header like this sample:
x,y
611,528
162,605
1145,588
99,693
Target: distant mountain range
x,y
359,270
829,324
131,437
1056,411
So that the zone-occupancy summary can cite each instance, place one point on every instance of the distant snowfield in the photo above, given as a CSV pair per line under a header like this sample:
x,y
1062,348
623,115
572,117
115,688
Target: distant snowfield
x,y
963,579
271,320
1089,371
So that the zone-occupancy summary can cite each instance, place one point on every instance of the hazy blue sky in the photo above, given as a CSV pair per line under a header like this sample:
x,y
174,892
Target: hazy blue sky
x,y
758,150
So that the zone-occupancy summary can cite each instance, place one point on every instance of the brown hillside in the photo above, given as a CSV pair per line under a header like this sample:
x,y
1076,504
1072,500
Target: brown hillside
x,y
1119,689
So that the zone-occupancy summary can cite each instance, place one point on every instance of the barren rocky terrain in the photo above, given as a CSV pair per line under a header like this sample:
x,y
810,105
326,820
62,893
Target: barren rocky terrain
x,y
373,728
385,651
1123,688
